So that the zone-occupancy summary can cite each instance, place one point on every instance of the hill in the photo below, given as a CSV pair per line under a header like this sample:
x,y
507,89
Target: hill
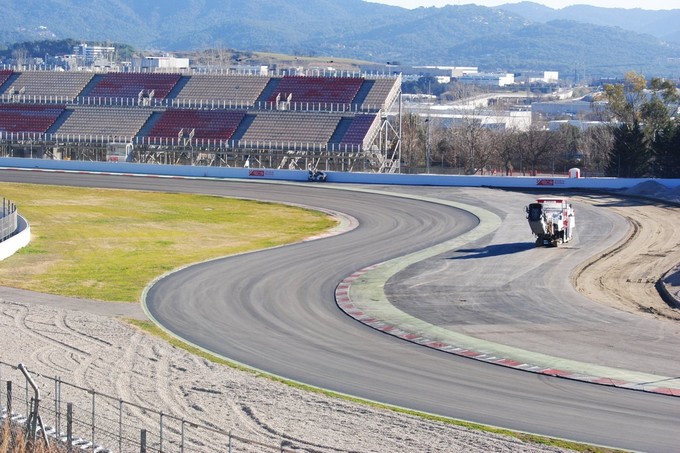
x,y
508,38
664,24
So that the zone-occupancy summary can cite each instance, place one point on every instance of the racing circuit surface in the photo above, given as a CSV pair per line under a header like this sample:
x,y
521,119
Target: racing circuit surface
x,y
275,310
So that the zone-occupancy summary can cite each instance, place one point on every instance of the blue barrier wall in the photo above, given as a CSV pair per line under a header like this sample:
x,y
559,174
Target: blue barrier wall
x,y
522,182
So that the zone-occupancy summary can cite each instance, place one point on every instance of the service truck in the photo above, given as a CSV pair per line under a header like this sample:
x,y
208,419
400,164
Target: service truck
x,y
551,219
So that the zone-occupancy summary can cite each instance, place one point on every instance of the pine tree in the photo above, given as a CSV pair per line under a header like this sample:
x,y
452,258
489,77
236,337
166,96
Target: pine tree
x,y
666,151
631,155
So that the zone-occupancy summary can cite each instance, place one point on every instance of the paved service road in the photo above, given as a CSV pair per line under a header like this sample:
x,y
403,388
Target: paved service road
x,y
275,310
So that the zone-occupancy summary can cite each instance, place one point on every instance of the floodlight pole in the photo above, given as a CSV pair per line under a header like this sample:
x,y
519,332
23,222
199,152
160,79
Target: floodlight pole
x,y
427,143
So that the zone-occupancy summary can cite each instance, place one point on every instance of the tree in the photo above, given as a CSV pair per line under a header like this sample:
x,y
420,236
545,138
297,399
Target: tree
x,y
595,143
535,145
507,150
645,112
412,140
20,55
625,99
473,142
666,151
630,156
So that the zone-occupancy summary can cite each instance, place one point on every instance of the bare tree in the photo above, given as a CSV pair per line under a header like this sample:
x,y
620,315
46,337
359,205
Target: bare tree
x,y
535,144
506,150
413,140
595,143
20,56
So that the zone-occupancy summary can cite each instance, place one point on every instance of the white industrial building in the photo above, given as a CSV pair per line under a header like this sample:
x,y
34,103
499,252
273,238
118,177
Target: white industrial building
x,y
488,79
538,77
458,115
574,108
88,55
165,62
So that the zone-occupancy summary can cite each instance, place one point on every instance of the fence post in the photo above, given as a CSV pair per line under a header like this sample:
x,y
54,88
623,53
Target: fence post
x,y
57,414
181,444
69,426
120,425
94,394
160,435
142,442
9,399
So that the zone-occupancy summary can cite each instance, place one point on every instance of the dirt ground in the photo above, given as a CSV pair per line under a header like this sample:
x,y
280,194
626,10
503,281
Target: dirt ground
x,y
625,276
98,351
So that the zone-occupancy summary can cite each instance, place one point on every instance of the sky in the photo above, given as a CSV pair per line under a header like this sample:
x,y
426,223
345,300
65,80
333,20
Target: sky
x,y
647,4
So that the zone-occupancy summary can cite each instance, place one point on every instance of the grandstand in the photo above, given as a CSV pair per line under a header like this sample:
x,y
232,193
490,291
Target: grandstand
x,y
100,124
240,90
209,127
27,121
4,75
44,86
304,122
134,85
319,90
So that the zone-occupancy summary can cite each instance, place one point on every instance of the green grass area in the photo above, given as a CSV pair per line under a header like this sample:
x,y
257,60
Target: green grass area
x,y
109,244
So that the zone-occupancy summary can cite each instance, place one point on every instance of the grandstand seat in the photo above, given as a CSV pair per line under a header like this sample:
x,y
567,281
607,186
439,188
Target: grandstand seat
x,y
332,90
236,88
130,85
293,127
358,130
62,86
33,118
103,121
4,75
211,125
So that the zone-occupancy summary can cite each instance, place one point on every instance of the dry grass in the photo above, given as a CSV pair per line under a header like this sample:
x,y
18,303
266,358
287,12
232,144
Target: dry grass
x,y
109,244
13,440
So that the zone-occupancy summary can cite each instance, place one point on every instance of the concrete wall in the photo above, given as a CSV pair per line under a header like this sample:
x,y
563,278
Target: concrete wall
x,y
521,182
21,239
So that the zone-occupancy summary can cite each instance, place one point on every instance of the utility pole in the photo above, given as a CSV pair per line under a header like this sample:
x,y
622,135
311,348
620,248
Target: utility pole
x,y
427,143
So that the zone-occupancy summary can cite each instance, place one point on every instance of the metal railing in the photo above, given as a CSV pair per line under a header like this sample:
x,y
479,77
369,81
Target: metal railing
x,y
8,219
83,419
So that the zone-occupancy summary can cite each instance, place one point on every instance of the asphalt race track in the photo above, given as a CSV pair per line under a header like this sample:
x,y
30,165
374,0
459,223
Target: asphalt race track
x,y
274,310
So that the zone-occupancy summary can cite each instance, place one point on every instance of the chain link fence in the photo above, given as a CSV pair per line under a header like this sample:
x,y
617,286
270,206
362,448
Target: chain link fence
x,y
83,420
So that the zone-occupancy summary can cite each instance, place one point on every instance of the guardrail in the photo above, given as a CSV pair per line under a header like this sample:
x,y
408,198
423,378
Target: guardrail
x,y
192,171
8,219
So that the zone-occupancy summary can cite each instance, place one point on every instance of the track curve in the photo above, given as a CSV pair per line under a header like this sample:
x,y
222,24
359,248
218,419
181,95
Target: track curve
x,y
274,310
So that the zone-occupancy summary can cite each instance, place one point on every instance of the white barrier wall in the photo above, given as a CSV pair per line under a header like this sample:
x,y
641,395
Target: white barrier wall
x,y
521,182
9,247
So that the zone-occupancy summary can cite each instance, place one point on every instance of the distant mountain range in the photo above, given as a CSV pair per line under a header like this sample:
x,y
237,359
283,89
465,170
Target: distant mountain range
x,y
664,25
579,40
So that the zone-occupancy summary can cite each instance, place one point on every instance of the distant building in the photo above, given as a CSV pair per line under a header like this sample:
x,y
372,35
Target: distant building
x,y
456,116
446,71
556,125
87,55
165,62
488,79
443,74
538,77
261,70
576,108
